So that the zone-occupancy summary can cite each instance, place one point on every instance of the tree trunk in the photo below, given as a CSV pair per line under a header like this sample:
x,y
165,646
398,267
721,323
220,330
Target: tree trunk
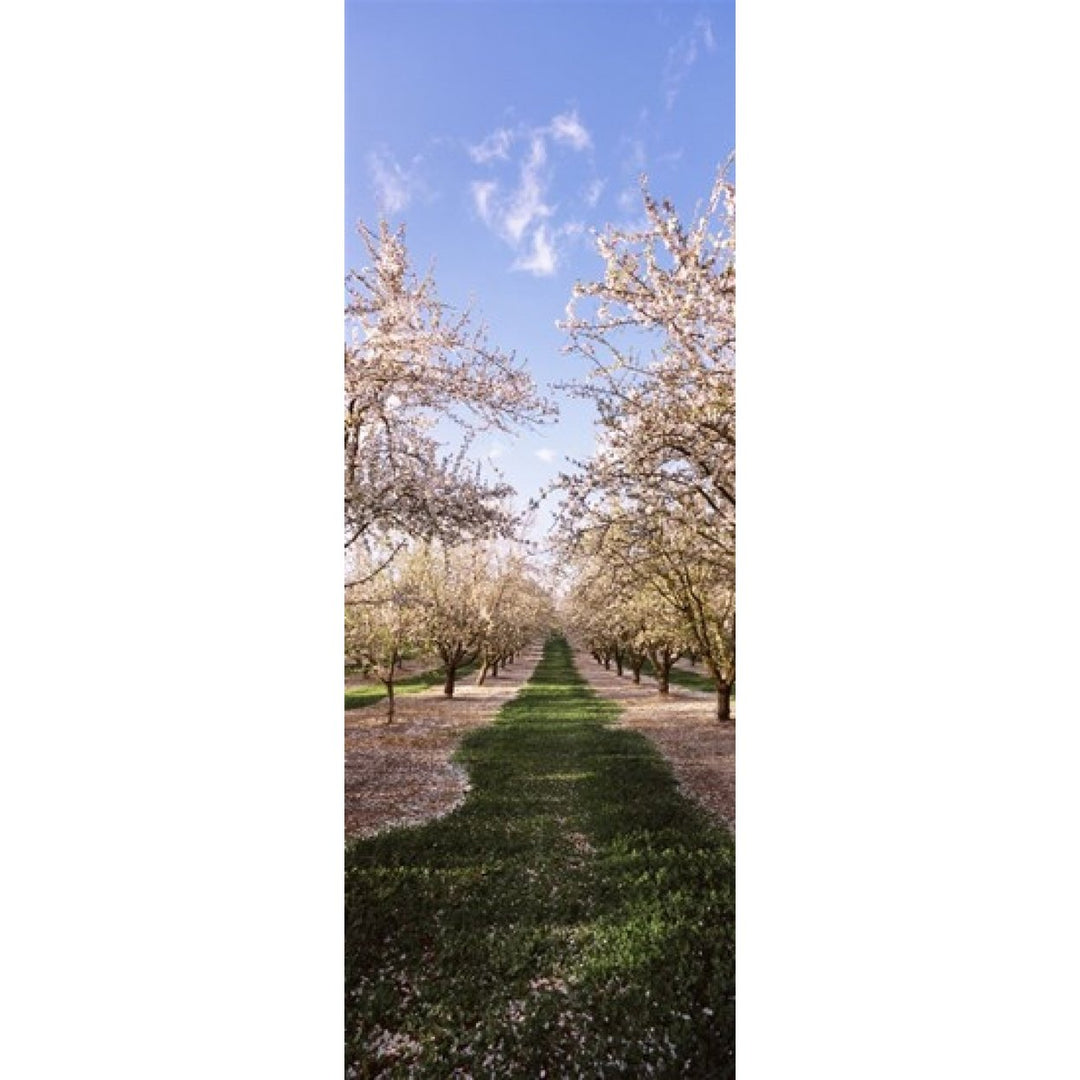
x,y
495,670
723,702
635,668
451,674
661,665
482,674
618,662
389,684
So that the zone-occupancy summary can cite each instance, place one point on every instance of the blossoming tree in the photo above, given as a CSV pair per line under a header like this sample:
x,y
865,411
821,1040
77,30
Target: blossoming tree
x,y
658,331
412,363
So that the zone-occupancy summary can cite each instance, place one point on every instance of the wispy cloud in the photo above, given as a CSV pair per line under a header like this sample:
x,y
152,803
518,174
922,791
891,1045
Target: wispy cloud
x,y
565,129
683,55
568,129
495,146
517,209
541,259
483,192
394,184
703,24
672,157
510,215
592,193
527,203
546,454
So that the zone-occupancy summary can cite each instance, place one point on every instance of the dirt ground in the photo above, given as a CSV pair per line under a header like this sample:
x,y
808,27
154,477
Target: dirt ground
x,y
701,751
400,773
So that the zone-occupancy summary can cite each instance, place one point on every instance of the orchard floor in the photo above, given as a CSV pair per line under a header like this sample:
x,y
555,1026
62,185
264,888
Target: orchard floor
x,y
573,918
401,773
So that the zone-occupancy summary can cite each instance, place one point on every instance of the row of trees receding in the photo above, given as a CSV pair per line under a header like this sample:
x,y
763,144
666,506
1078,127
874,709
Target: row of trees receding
x,y
648,522
434,566
467,603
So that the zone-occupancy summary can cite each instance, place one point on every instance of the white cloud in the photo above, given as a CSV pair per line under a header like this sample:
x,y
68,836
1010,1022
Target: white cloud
x,y
567,128
512,215
394,185
496,450
683,55
483,192
541,260
593,192
495,146
519,212
546,454
527,203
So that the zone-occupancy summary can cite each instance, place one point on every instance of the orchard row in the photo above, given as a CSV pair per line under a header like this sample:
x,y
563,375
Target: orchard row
x,y
645,531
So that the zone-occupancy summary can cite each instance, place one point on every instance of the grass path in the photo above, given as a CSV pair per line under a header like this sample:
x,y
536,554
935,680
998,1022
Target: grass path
x,y
574,918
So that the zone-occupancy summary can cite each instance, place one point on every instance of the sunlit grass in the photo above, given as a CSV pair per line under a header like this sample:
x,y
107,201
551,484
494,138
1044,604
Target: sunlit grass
x,y
576,914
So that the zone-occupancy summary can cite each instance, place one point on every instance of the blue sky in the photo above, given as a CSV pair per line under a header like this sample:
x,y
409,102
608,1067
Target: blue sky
x,y
501,133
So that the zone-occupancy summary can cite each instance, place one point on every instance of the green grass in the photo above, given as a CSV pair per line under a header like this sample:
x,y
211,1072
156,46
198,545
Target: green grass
x,y
575,915
692,680
358,697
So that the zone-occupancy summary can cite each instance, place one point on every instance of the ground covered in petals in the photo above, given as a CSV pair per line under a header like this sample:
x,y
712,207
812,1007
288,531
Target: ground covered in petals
x,y
573,917
401,773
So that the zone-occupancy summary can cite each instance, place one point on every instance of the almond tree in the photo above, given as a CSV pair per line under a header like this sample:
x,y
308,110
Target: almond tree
x,y
659,334
663,639
411,363
702,593
450,611
382,625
